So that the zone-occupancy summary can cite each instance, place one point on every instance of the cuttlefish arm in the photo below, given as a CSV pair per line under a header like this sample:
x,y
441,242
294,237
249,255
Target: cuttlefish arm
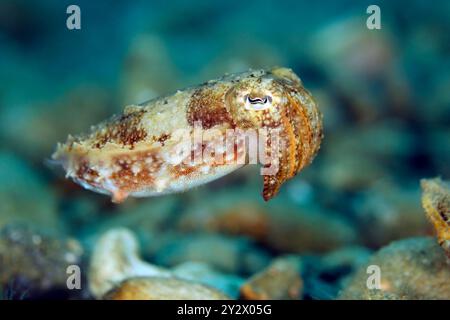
x,y
301,135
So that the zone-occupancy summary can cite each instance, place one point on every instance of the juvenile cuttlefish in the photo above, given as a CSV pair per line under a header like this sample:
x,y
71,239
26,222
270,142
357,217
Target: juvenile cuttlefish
x,y
141,152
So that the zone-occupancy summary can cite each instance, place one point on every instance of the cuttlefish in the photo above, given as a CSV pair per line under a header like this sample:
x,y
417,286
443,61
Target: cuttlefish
x,y
176,142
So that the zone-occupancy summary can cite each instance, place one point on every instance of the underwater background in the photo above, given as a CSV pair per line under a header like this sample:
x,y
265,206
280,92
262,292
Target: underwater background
x,y
385,97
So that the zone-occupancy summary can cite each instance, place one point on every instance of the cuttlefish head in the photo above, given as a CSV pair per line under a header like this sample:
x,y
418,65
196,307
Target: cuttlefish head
x,y
276,101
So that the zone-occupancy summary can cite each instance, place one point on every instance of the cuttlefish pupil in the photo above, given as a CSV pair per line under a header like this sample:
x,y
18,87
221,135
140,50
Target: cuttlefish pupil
x,y
257,103
137,153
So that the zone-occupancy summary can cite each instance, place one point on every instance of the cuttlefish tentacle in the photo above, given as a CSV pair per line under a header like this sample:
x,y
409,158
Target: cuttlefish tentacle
x,y
140,153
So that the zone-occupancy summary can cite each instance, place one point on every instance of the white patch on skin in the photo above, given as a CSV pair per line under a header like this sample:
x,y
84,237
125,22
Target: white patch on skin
x,y
205,169
84,184
136,168
161,184
104,171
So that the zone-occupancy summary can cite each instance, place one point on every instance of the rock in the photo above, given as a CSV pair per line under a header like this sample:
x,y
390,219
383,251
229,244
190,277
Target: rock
x,y
226,254
280,225
436,202
414,268
337,171
115,258
352,149
308,230
325,275
238,217
349,257
394,140
205,274
155,288
388,212
34,263
280,280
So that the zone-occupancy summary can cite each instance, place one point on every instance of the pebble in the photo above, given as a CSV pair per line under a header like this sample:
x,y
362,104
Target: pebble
x,y
280,280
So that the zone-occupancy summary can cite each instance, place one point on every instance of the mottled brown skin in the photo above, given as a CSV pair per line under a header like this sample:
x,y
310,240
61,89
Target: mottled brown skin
x,y
133,154
126,130
215,114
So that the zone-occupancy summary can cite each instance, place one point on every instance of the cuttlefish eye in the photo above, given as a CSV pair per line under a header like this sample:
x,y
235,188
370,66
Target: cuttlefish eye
x,y
257,103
